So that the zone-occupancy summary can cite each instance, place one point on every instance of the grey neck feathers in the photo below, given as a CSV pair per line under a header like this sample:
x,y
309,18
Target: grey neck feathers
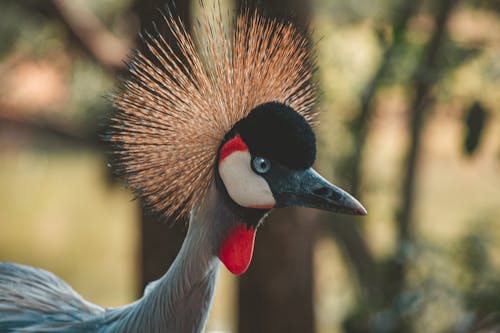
x,y
180,300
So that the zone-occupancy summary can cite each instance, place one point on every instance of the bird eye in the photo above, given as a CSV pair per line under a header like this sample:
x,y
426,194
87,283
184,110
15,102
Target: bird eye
x,y
261,165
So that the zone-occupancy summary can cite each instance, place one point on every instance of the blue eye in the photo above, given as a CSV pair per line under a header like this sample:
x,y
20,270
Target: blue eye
x,y
261,165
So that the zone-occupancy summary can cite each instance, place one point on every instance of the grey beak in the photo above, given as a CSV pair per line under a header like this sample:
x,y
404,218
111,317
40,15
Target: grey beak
x,y
306,188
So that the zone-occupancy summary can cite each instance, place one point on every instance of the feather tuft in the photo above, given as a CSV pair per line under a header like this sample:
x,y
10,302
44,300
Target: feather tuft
x,y
172,115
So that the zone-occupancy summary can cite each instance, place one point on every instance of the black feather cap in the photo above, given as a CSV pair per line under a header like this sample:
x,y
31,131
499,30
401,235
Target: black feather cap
x,y
276,131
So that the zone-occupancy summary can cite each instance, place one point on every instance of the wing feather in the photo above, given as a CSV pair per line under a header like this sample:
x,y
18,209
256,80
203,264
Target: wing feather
x,y
33,299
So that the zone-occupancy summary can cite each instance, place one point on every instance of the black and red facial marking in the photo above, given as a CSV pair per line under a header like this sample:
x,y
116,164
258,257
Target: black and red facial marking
x,y
271,133
233,145
251,193
265,162
244,186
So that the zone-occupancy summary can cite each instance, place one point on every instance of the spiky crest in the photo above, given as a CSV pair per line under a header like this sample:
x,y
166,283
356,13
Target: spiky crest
x,y
171,115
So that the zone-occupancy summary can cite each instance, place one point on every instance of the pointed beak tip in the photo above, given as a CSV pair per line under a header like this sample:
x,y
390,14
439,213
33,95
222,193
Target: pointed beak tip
x,y
356,208
361,211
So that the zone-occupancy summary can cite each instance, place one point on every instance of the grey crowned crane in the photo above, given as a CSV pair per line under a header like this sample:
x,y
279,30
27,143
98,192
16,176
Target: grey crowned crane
x,y
225,136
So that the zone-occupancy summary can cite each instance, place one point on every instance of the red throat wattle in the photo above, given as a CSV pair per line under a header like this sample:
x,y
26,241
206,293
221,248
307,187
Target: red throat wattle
x,y
237,249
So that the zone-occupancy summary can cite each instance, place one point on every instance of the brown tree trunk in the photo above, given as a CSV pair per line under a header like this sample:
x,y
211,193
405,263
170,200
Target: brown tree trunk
x,y
297,11
346,229
425,77
392,283
160,242
276,294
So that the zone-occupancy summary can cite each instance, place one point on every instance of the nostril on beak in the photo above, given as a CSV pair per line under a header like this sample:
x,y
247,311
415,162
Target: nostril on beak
x,y
327,193
322,191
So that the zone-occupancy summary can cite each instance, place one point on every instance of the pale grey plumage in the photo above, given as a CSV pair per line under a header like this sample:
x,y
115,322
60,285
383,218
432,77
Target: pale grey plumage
x,y
39,300
34,300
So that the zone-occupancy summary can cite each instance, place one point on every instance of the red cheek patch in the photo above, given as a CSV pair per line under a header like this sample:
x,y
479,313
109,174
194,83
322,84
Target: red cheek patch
x,y
235,144
237,249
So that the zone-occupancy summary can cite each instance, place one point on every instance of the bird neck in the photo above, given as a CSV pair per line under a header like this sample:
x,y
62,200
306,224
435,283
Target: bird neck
x,y
180,300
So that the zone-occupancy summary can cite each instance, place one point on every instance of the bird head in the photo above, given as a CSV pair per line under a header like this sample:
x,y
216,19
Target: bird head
x,y
231,112
265,162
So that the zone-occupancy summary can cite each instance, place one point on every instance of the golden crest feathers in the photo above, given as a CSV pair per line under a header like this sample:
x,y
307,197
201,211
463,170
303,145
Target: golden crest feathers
x,y
171,115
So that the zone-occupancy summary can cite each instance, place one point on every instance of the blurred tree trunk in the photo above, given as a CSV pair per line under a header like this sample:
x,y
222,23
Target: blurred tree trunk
x,y
345,228
425,77
361,122
276,294
160,242
384,295
297,11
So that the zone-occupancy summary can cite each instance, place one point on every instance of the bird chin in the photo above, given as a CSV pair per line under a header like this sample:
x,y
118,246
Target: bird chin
x,y
237,248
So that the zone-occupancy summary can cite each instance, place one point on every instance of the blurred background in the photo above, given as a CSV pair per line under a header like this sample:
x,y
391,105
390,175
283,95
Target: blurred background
x,y
410,124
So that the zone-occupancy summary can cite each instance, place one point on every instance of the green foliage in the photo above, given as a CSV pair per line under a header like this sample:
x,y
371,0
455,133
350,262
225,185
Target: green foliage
x,y
89,86
456,55
493,5
13,34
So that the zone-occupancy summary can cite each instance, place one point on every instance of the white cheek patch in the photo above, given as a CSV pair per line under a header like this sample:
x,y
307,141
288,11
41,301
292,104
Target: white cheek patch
x,y
244,186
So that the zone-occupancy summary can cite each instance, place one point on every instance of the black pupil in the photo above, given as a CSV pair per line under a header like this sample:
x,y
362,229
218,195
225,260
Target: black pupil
x,y
263,164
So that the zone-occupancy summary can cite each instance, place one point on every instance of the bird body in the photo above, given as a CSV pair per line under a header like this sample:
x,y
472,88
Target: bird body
x,y
224,135
34,300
